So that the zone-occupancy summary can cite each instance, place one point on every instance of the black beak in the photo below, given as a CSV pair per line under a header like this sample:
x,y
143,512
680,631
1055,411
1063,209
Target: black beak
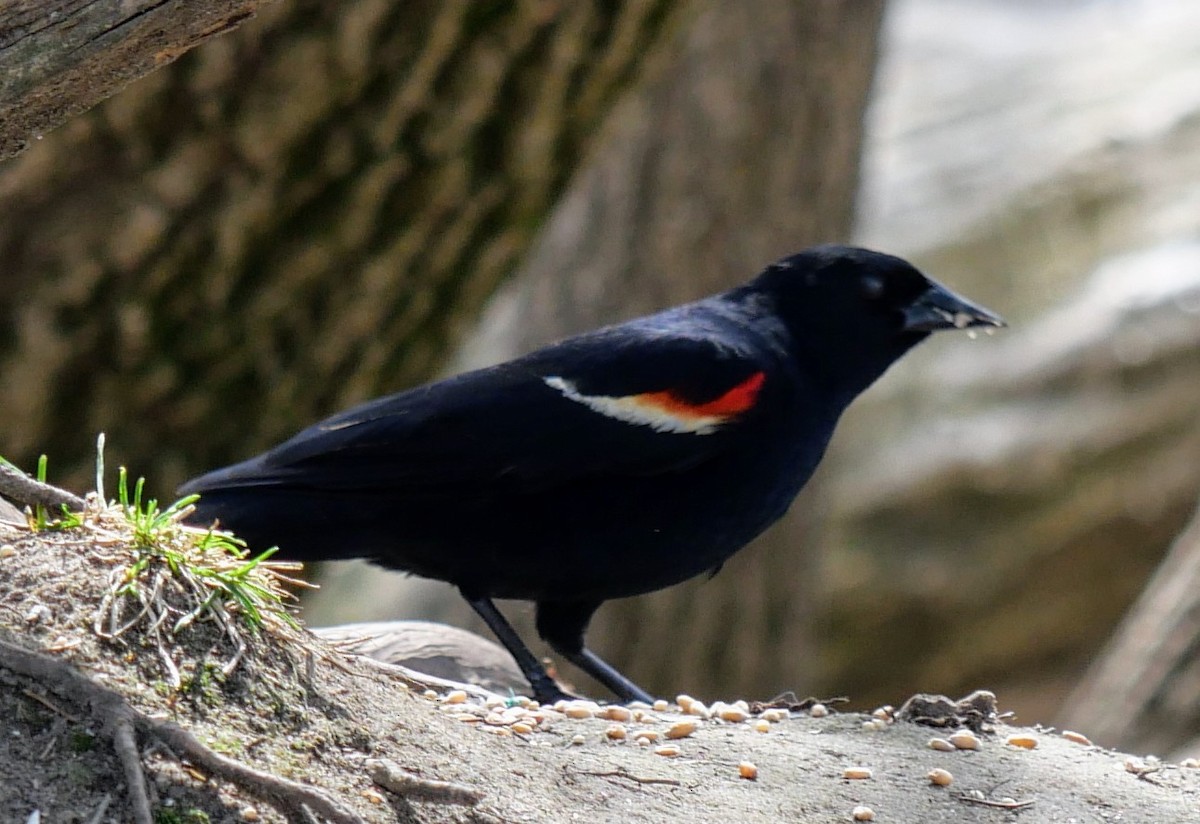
x,y
939,308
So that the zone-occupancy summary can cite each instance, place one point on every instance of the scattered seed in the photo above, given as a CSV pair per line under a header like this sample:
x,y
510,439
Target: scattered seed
x,y
616,732
467,717
643,741
581,709
637,705
861,813
661,705
698,709
495,702
617,713
430,694
577,740
456,697
761,725
499,730
774,715
668,750
522,728
1190,763
649,735
7,551
733,714
684,701
856,773
1022,740
495,719
249,814
940,777
874,725
372,796
882,713
965,740
941,745
818,710
1077,737
681,729
748,771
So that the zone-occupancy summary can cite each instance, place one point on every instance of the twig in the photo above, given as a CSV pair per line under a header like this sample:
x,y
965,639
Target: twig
x,y
393,777
50,705
17,486
1004,805
120,722
621,773
98,816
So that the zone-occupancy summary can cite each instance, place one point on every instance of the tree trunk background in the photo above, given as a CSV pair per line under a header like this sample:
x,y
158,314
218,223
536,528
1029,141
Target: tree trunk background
x,y
297,216
740,147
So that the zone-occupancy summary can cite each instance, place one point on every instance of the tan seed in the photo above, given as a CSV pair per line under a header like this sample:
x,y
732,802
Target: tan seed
x,y
775,715
1022,740
1077,737
734,715
522,728
468,718
941,745
643,741
668,750
940,777
882,714
456,697
698,709
684,701
661,705
748,771
495,702
616,732
372,796
1190,763
761,725
430,694
649,735
965,740
617,713
577,740
818,710
856,773
250,814
7,551
742,704
580,709
681,729
861,813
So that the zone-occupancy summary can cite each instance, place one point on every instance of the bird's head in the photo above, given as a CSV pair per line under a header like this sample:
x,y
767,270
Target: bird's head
x,y
851,313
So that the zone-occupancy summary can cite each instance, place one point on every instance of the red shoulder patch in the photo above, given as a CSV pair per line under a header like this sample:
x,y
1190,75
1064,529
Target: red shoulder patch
x,y
734,402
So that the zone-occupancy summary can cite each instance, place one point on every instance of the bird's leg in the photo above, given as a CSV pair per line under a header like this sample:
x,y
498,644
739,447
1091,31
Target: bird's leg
x,y
545,690
562,624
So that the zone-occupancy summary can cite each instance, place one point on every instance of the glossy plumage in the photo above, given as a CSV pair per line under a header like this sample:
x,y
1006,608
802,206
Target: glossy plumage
x,y
610,464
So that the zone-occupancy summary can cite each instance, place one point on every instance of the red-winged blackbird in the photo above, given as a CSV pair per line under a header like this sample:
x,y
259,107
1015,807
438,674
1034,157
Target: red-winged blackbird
x,y
610,464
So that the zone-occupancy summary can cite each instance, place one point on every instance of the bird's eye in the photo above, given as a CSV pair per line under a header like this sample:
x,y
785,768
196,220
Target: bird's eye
x,y
872,287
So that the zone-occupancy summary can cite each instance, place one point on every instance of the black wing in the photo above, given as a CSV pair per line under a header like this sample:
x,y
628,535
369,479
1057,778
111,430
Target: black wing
x,y
599,404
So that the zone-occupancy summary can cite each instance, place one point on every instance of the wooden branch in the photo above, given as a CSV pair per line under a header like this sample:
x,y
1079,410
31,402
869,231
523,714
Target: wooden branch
x,y
61,57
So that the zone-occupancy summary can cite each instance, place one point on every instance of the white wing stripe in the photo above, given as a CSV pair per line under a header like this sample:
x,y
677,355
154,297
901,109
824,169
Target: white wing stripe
x,y
636,410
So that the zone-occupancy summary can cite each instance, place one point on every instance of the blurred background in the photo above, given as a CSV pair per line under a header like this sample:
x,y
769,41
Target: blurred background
x,y
341,200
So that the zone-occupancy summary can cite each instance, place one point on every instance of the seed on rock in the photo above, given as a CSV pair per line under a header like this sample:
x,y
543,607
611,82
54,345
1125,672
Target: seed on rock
x,y
456,697
661,705
577,740
1077,737
732,714
761,725
372,796
467,717
616,732
940,777
250,814
698,709
495,702
430,694
774,715
7,551
861,813
1022,740
681,729
617,713
883,713
1190,763
818,710
941,745
748,771
874,725
668,750
495,719
649,735
522,728
965,740
643,741
684,701
856,773
581,709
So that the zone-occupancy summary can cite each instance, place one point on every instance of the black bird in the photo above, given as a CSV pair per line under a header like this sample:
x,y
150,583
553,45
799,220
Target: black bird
x,y
610,464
